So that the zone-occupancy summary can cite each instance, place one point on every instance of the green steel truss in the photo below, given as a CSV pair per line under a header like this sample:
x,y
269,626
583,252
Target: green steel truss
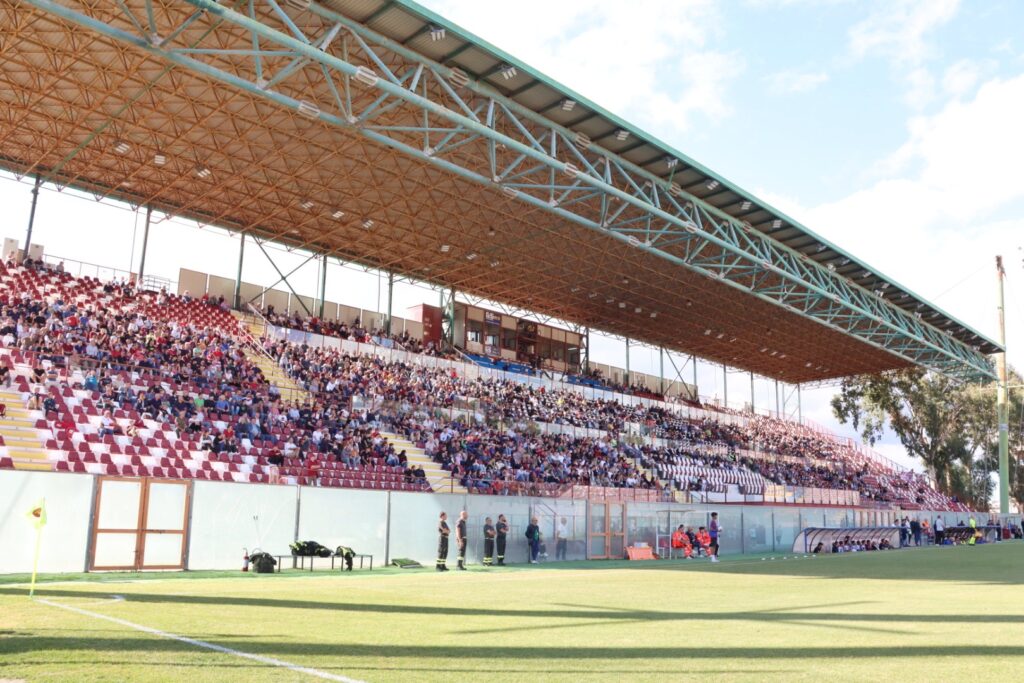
x,y
388,93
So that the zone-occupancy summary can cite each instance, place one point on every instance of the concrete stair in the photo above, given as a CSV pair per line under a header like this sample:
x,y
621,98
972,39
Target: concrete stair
x,y
21,438
290,389
677,496
440,480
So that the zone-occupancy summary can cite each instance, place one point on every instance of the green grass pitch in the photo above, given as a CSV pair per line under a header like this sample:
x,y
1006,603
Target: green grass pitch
x,y
937,614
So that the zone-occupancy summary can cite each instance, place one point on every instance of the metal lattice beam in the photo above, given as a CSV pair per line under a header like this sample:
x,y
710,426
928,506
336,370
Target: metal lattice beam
x,y
324,66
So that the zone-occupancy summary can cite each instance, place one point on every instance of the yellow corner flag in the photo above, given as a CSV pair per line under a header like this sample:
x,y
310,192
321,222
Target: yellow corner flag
x,y
37,515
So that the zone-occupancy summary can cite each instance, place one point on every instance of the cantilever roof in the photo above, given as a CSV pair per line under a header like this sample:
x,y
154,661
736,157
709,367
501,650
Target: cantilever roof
x,y
407,22
80,77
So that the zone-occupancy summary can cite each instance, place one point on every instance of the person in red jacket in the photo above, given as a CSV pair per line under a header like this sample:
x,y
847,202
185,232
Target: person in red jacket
x,y
703,541
677,541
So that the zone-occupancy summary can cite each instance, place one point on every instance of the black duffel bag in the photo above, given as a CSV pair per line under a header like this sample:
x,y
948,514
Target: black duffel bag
x,y
262,563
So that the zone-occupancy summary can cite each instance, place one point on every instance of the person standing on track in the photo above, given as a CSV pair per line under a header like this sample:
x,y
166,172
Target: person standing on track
x,y
533,538
940,530
713,531
460,539
562,540
489,534
442,543
502,536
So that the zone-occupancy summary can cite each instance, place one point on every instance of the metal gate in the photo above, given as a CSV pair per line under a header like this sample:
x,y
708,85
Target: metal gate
x,y
140,523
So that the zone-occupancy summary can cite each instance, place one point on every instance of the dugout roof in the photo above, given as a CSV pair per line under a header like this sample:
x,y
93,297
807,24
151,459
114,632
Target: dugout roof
x,y
380,133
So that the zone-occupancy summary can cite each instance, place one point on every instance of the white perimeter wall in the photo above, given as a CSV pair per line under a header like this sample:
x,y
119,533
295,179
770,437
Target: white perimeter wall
x,y
66,534
227,517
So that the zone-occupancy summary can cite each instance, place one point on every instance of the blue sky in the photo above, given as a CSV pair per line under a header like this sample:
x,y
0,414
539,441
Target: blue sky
x,y
891,128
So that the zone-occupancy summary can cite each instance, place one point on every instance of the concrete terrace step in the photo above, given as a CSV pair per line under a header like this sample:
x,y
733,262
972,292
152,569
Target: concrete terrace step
x,y
290,389
35,466
36,454
21,443
440,479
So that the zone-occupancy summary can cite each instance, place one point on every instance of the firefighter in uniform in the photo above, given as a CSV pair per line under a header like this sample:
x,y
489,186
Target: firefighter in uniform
x,y
501,533
442,543
488,542
460,538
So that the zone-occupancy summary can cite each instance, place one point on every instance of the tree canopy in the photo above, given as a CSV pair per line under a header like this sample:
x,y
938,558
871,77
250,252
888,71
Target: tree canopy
x,y
951,427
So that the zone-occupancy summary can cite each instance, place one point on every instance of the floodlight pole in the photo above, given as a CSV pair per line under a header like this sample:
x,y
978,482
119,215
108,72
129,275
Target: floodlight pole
x,y
32,216
1002,410
145,242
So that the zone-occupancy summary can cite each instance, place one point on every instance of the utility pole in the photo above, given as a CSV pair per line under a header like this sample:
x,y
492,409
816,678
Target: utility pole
x,y
1002,409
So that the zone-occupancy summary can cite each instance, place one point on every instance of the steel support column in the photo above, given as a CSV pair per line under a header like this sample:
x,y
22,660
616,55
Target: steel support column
x,y
323,285
627,382
778,405
145,244
661,370
31,216
752,392
237,303
696,394
799,406
586,350
391,297
725,386
448,316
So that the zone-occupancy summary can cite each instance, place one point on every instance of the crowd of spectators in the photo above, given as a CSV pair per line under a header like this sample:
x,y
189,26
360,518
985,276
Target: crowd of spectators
x,y
354,331
476,429
192,376
493,435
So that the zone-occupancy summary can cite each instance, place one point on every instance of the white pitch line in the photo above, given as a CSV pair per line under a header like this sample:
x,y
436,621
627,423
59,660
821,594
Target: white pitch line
x,y
112,599
209,646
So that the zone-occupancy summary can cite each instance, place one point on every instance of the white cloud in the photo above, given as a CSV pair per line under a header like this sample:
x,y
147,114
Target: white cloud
x,y
654,72
792,81
920,87
970,151
897,29
952,200
961,77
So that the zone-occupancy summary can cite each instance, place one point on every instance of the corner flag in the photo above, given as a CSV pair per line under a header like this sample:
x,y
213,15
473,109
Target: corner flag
x,y
37,515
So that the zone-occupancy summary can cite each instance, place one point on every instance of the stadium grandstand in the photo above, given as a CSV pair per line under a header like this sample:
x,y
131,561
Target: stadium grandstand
x,y
374,132
368,138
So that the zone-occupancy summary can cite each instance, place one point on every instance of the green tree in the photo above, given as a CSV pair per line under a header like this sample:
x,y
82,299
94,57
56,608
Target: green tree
x,y
950,426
